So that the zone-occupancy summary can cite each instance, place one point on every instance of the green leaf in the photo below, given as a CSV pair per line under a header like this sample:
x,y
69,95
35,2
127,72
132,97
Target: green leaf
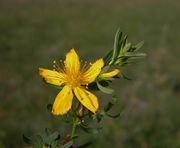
x,y
67,145
87,144
116,45
124,42
107,58
54,136
48,131
91,130
126,48
54,144
93,86
122,45
128,58
113,116
139,45
51,138
110,104
37,141
105,89
118,40
105,69
27,140
49,107
129,54
125,77
99,117
123,51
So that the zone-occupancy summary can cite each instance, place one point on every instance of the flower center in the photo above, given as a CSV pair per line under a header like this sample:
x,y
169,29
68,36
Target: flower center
x,y
73,79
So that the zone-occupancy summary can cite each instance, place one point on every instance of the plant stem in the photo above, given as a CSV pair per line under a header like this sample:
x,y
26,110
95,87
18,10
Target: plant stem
x,y
75,123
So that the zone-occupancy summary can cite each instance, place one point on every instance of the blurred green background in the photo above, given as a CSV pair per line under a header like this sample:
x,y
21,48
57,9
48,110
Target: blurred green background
x,y
34,33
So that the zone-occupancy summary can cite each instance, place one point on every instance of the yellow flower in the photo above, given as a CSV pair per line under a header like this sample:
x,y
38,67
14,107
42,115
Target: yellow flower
x,y
74,79
110,74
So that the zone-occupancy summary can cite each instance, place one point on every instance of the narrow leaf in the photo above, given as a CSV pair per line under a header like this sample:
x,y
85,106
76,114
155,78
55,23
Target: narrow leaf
x,y
99,117
105,89
87,144
129,54
107,58
110,104
93,86
49,107
48,131
91,130
26,139
105,69
37,141
67,145
126,48
113,116
53,137
139,45
116,45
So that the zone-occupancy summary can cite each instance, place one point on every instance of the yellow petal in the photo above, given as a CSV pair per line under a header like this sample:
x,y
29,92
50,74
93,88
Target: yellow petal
x,y
87,99
110,74
72,63
52,77
63,101
91,74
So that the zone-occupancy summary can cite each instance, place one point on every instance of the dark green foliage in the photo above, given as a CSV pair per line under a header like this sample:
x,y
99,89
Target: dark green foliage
x,y
92,130
110,104
94,86
105,89
123,51
67,145
47,139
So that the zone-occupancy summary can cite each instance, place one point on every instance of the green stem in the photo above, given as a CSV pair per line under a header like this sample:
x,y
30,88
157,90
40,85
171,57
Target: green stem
x,y
75,123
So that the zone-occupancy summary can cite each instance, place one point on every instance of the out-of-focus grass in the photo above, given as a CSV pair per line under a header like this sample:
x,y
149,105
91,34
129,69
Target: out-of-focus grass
x,y
33,34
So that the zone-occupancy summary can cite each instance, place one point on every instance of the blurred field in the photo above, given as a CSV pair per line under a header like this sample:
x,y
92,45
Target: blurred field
x,y
33,34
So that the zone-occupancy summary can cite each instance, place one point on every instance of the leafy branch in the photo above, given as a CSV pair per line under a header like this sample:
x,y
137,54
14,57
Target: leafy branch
x,y
123,52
